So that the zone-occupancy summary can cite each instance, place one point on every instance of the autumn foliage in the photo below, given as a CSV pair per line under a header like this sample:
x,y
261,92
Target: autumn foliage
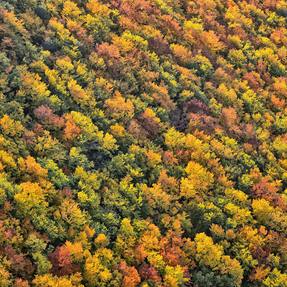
x,y
143,143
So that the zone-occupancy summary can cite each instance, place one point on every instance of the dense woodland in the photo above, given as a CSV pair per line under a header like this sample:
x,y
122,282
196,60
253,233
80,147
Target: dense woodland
x,y
143,143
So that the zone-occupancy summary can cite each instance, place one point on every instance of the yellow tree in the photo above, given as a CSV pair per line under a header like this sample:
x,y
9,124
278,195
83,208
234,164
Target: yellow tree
x,y
97,269
30,198
11,127
199,177
30,166
48,280
212,255
119,107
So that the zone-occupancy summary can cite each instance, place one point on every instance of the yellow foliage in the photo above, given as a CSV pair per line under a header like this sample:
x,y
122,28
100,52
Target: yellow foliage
x,y
65,64
269,215
201,178
72,214
97,8
32,167
239,215
276,279
96,273
31,196
55,80
48,280
156,196
63,33
150,114
177,140
150,238
33,85
235,18
187,188
88,180
207,253
5,277
175,276
71,9
118,130
87,127
226,94
182,53
10,126
101,240
6,160
280,144
124,45
10,18
211,255
78,93
217,230
236,195
154,158
251,235
119,107
156,260
76,250
174,138
109,142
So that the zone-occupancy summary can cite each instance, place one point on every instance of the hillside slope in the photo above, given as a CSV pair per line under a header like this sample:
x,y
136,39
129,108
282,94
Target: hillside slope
x,y
143,143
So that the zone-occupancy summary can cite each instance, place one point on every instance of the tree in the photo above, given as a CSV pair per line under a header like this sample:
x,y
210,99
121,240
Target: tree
x,y
46,115
182,53
5,277
174,276
80,95
11,127
131,277
71,130
6,160
72,214
119,107
211,255
31,199
97,268
30,166
275,278
268,215
49,280
62,261
199,176
126,240
211,40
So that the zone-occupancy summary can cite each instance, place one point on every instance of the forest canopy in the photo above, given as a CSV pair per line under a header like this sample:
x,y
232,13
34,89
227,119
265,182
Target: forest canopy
x,y
143,143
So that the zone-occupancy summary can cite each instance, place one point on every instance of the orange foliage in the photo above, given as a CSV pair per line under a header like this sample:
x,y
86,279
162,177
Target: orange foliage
x,y
119,107
71,130
131,276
